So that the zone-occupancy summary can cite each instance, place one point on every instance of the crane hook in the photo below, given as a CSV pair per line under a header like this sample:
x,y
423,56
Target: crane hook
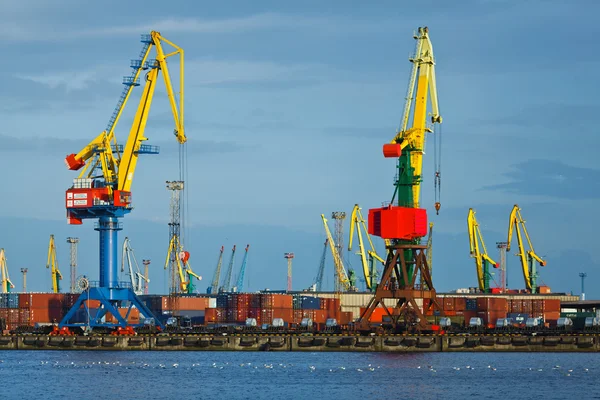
x,y
437,208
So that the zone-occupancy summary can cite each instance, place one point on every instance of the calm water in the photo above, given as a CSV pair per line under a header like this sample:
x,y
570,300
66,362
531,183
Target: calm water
x,y
257,375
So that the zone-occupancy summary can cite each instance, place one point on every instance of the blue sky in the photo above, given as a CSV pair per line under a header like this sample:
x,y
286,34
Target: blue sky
x,y
287,106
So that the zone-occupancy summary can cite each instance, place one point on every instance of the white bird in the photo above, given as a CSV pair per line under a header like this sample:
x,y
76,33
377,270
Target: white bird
x,y
570,370
419,367
371,369
359,370
175,365
586,370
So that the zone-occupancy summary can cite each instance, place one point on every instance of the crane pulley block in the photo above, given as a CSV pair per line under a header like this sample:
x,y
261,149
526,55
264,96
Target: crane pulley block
x,y
394,222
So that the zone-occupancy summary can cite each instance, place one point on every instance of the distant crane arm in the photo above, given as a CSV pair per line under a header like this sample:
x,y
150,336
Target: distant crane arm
x,y
339,265
52,264
214,287
480,256
516,222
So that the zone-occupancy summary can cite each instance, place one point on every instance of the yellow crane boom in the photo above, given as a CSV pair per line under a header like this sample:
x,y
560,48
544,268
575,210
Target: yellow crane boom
x,y
357,222
528,257
5,282
118,163
482,259
52,263
337,261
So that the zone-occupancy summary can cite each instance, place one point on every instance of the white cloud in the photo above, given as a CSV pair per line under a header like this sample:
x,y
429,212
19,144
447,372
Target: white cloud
x,y
74,80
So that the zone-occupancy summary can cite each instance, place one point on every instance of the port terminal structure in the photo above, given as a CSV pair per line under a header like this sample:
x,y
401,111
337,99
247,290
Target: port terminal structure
x,y
103,189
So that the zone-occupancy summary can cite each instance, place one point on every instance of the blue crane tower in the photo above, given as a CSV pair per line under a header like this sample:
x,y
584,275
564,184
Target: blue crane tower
x,y
103,189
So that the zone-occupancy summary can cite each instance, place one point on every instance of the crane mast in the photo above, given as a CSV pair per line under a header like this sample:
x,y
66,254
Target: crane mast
x,y
403,222
52,264
482,259
343,280
6,283
214,286
103,188
528,258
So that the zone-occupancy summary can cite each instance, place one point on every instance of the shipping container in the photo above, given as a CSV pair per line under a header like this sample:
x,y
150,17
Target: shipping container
x,y
518,318
448,303
490,317
492,304
470,304
460,304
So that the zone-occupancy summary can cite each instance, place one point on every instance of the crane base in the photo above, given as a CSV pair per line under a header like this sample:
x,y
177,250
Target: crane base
x,y
109,299
410,261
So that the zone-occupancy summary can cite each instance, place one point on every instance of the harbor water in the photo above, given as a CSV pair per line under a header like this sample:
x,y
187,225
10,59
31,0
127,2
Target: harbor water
x,y
265,375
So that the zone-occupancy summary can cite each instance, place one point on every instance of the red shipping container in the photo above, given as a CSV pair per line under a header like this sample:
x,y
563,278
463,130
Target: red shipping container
x,y
537,306
516,306
398,222
527,306
491,304
448,303
460,304
377,315
345,318
297,316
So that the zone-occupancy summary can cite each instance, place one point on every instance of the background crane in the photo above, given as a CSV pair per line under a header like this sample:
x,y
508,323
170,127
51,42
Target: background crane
x,y
52,264
289,257
73,261
239,287
182,267
136,277
214,287
319,278
357,222
482,259
226,286
103,189
6,284
403,221
343,280
528,257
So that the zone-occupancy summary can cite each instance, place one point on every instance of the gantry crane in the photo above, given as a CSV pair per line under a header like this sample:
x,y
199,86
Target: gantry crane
x,y
103,189
319,278
6,284
214,286
52,264
403,221
345,282
357,222
528,257
226,286
482,259
183,267
239,287
137,278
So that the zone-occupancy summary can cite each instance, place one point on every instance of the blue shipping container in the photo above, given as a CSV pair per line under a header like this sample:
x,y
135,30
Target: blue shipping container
x,y
311,303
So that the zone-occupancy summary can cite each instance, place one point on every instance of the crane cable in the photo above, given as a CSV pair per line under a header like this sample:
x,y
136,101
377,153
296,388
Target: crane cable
x,y
437,155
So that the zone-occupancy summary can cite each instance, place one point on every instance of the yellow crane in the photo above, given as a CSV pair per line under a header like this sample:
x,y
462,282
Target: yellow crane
x,y
184,269
528,257
482,259
345,283
6,283
52,264
429,250
117,162
357,222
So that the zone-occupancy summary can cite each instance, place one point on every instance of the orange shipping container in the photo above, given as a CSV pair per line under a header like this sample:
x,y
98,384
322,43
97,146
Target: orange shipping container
x,y
516,306
551,305
287,314
193,303
377,315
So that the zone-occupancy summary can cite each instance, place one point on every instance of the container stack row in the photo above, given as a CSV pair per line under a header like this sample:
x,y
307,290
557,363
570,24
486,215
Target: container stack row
x,y
490,309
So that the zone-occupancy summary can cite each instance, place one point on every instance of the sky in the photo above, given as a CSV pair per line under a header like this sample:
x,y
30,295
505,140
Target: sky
x,y
287,105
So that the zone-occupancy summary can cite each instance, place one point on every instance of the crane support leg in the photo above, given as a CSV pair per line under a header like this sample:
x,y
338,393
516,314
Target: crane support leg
x,y
405,262
108,291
